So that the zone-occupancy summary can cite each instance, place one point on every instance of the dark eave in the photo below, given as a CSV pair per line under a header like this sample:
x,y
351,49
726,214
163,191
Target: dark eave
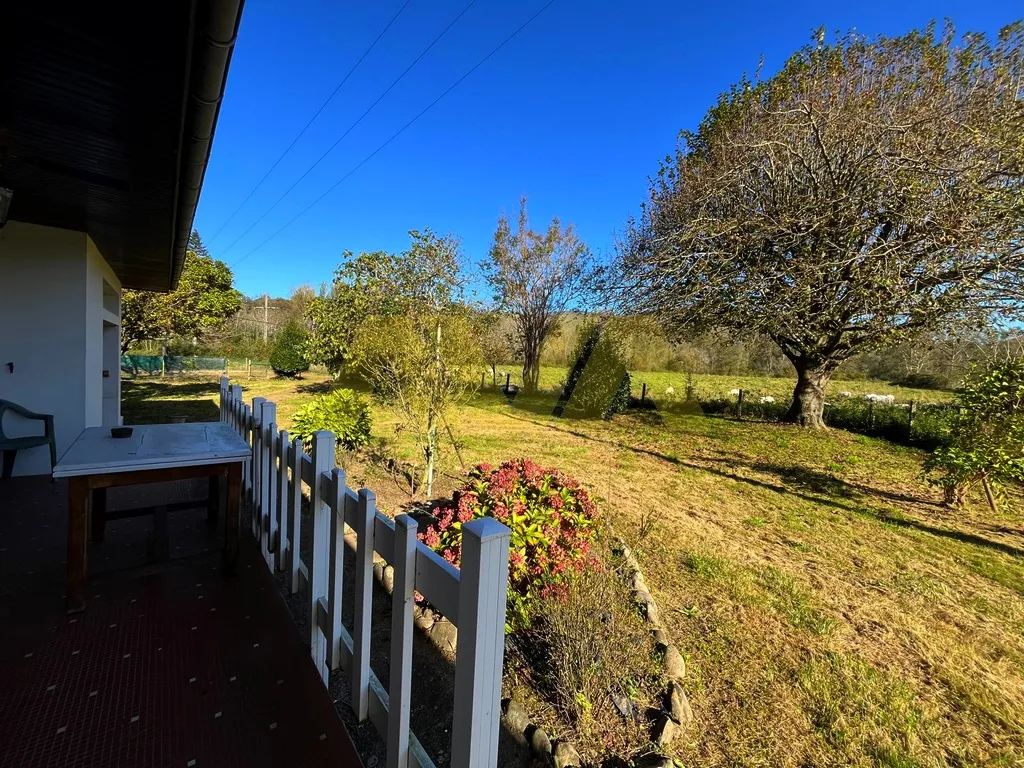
x,y
107,115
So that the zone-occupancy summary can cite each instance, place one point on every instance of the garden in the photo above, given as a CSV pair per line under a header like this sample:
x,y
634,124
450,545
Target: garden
x,y
824,602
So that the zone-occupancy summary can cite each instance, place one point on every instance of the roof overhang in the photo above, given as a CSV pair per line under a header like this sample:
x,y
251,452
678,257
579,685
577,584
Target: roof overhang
x,y
107,115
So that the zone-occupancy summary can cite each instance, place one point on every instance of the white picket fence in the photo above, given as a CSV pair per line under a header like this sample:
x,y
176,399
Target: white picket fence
x,y
472,598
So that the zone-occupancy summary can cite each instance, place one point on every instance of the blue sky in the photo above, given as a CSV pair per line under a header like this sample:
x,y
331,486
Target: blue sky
x,y
575,113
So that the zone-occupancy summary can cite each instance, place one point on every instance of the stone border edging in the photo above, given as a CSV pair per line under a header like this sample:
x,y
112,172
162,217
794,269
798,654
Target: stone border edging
x,y
667,725
677,711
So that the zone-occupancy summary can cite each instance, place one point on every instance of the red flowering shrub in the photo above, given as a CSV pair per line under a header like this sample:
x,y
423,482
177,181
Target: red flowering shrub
x,y
551,517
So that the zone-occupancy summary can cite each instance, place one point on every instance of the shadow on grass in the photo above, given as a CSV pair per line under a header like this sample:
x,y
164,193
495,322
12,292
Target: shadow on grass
x,y
142,389
316,387
167,411
819,488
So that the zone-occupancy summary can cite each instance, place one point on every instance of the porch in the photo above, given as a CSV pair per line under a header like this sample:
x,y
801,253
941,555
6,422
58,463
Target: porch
x,y
171,663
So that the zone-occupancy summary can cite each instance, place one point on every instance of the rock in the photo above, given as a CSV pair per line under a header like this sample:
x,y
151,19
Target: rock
x,y
675,667
540,743
423,618
638,582
661,639
515,717
388,578
679,708
378,572
444,634
650,609
665,731
624,705
566,756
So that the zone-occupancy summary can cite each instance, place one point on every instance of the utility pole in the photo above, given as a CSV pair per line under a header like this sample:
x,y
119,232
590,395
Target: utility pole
x,y
266,315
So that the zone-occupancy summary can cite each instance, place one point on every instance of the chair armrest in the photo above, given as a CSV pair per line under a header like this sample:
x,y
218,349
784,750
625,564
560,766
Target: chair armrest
x,y
22,411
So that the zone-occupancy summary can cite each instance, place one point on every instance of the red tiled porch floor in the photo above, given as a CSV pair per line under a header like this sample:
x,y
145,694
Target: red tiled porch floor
x,y
170,664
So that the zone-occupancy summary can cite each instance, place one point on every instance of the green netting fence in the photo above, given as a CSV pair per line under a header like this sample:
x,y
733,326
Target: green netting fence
x,y
151,364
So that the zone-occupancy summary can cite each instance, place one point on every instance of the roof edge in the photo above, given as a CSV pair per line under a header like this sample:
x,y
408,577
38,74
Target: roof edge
x,y
215,29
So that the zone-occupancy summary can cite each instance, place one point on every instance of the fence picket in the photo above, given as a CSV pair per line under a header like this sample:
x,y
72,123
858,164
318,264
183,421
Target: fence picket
x,y
282,501
472,598
323,463
365,514
223,398
256,470
268,415
336,568
247,436
295,523
400,690
480,647
236,397
270,485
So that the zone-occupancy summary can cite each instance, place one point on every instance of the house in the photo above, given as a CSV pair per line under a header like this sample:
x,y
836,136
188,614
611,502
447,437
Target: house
x,y
107,116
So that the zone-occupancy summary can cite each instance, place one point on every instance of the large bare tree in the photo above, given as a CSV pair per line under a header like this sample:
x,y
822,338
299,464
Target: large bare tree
x,y
869,191
536,277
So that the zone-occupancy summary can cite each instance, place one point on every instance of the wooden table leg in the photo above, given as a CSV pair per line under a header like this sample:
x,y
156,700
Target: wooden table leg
x,y
233,517
99,513
213,500
78,520
159,544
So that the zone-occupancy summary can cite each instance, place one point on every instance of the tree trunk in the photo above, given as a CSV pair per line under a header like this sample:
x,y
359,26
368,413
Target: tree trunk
x,y
953,495
989,494
809,394
431,452
531,375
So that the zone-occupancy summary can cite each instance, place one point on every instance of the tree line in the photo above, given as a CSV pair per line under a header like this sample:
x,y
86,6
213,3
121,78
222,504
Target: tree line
x,y
861,211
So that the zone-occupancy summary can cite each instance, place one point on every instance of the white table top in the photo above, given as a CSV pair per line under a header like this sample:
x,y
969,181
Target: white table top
x,y
152,446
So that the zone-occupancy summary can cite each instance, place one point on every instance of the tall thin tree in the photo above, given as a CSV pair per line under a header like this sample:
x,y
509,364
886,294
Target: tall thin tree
x,y
536,277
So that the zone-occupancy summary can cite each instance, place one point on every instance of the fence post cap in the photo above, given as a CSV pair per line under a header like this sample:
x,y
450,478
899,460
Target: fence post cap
x,y
366,493
485,529
406,521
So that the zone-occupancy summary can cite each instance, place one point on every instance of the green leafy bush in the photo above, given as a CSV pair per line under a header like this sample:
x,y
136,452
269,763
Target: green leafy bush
x,y
287,358
598,383
986,435
342,412
553,524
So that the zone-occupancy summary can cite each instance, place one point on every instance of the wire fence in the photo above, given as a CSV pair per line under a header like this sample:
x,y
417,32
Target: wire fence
x,y
910,422
925,425
171,365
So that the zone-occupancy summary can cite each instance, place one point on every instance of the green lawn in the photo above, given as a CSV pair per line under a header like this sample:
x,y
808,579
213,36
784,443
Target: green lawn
x,y
831,611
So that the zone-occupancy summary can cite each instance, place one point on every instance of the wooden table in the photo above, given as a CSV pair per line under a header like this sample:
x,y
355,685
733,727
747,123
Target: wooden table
x,y
155,453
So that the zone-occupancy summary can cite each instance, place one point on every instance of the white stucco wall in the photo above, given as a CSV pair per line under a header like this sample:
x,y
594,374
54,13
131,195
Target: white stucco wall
x,y
96,361
51,329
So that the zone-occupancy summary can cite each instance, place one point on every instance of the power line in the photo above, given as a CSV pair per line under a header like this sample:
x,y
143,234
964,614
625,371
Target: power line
x,y
311,120
399,132
351,127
